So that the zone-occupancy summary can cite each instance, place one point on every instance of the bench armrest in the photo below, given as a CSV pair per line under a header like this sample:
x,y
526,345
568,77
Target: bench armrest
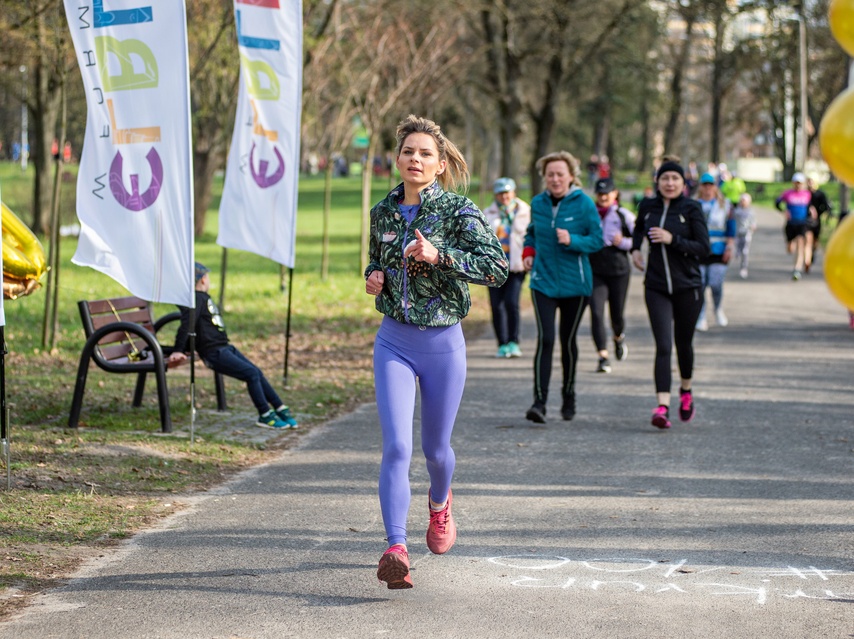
x,y
152,345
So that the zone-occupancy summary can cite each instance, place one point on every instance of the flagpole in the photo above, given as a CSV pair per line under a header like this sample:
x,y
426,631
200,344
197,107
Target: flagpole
x,y
4,411
288,324
193,374
222,267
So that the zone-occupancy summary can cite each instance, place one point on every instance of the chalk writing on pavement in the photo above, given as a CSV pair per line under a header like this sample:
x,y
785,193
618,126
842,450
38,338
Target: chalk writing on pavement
x,y
667,577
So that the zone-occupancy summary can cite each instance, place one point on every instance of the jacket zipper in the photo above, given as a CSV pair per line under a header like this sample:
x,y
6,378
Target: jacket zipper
x,y
664,252
405,276
555,208
405,269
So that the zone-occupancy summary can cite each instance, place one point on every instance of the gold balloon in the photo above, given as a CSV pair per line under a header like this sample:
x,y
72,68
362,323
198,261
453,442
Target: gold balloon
x,y
24,262
836,136
841,18
839,262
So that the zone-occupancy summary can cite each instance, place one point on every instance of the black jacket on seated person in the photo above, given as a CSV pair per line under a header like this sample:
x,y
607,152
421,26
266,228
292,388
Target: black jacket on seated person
x,y
210,329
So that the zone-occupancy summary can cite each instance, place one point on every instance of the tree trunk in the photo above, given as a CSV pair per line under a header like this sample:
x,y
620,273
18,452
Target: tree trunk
x,y
367,175
44,110
681,63
717,92
206,161
644,161
43,118
504,72
545,118
603,140
327,207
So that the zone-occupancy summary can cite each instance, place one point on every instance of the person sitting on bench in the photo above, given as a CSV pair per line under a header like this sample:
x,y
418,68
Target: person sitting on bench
x,y
222,356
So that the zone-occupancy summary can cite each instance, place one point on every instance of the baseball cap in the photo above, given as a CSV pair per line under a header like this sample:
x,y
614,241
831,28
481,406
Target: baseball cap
x,y
799,177
605,185
201,269
502,185
707,178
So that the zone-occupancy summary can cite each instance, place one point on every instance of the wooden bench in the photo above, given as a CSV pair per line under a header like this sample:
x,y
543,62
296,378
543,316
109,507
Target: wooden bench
x,y
121,337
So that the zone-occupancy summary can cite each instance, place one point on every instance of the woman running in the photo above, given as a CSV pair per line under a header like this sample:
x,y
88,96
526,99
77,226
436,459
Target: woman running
x,y
564,230
426,245
675,228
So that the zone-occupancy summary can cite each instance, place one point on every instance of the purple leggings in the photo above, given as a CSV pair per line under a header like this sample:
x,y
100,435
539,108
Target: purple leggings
x,y
436,357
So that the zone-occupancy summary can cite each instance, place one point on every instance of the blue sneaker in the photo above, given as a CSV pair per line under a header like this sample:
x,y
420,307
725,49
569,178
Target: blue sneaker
x,y
513,350
271,420
502,352
285,415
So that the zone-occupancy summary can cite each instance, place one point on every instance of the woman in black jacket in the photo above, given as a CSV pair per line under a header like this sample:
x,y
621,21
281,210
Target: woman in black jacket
x,y
678,240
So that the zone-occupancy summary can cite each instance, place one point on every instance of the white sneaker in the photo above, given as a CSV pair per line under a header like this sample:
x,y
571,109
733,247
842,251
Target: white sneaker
x,y
702,325
721,318
743,273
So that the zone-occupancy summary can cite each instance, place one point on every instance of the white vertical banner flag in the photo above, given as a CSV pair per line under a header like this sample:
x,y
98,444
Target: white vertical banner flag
x,y
258,209
135,183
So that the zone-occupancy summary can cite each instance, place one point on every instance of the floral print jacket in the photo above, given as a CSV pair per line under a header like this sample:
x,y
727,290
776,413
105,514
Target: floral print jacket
x,y
469,252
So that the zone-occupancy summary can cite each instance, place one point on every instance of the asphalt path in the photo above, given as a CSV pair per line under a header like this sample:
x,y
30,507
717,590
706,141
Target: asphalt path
x,y
738,524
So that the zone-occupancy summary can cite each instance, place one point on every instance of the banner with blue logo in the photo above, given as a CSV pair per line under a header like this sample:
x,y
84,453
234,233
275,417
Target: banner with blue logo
x,y
135,183
257,212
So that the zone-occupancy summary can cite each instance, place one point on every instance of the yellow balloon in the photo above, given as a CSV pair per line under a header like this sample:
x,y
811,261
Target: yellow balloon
x,y
836,136
24,262
839,262
841,18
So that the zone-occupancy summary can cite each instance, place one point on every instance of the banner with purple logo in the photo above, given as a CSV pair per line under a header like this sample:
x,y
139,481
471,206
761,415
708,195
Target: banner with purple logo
x,y
135,183
259,201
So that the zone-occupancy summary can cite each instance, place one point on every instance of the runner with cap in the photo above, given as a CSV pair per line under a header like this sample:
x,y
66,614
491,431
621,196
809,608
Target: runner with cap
x,y
796,202
509,218
611,272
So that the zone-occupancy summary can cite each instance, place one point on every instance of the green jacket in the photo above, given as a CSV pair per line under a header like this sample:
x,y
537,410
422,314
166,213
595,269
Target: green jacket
x,y
733,189
469,252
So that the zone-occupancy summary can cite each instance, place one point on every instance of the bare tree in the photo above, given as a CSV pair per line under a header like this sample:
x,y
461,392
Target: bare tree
x,y
36,36
575,37
327,119
505,54
214,76
689,11
394,61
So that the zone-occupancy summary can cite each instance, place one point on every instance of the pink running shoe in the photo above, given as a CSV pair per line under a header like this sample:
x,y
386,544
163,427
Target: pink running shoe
x,y
661,417
686,406
442,531
394,568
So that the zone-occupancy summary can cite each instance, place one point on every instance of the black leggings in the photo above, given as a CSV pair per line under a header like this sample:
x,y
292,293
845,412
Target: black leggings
x,y
571,310
679,311
505,308
612,289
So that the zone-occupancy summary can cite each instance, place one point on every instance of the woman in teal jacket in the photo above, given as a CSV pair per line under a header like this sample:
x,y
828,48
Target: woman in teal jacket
x,y
564,230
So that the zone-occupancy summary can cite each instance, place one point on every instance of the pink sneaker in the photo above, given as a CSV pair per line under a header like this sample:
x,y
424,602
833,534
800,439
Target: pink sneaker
x,y
661,417
686,405
394,568
442,531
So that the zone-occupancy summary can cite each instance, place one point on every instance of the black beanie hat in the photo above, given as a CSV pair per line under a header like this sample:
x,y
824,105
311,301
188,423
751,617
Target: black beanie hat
x,y
670,165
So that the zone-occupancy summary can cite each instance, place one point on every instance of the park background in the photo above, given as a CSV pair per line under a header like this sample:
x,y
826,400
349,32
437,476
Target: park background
x,y
711,81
